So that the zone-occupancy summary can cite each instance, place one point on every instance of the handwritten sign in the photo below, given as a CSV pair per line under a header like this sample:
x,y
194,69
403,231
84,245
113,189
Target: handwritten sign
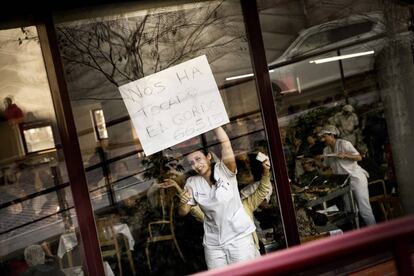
x,y
174,105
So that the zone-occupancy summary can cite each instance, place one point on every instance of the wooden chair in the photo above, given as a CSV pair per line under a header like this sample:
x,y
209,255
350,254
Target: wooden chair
x,y
156,237
387,203
129,255
69,260
108,240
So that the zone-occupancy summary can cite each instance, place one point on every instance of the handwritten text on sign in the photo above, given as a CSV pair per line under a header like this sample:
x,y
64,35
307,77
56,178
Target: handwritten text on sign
x,y
174,105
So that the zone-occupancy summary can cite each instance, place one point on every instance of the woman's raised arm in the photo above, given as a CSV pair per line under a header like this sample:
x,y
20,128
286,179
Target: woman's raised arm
x,y
227,154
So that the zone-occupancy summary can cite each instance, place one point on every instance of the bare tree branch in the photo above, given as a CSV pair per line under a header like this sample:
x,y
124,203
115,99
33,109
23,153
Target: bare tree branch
x,y
129,48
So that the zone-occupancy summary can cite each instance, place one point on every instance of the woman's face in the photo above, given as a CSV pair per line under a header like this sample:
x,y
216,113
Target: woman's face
x,y
200,162
328,139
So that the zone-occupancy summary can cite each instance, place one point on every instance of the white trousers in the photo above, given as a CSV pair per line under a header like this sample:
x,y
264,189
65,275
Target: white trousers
x,y
238,250
359,186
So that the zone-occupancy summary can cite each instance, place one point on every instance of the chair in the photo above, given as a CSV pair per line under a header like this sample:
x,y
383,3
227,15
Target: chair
x,y
387,203
108,240
156,237
129,255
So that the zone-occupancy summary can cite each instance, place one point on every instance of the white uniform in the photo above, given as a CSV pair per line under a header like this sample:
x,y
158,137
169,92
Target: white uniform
x,y
358,176
227,226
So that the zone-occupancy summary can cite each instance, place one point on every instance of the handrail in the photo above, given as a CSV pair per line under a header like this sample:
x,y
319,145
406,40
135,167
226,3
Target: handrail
x,y
393,236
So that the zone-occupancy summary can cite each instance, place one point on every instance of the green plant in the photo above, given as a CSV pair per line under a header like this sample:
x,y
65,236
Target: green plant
x,y
159,166
304,124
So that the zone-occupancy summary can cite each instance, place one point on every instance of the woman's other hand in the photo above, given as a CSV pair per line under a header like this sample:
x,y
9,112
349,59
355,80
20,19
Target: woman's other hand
x,y
266,167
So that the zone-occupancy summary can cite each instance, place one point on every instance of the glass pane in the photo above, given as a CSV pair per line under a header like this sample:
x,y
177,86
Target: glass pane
x,y
36,206
347,115
296,86
334,35
104,53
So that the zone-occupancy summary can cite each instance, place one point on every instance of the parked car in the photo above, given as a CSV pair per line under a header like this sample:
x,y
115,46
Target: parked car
x,y
335,35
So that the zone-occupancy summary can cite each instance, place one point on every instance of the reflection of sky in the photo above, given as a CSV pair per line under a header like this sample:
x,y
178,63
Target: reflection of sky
x,y
22,73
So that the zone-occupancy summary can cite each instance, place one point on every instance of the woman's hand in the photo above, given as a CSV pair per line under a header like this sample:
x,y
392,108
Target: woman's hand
x,y
170,183
266,167
185,195
342,155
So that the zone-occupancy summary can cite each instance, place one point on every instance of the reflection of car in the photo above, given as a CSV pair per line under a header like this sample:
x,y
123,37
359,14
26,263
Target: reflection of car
x,y
334,35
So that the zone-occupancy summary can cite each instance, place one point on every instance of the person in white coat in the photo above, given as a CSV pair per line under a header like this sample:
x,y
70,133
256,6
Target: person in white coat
x,y
227,226
341,156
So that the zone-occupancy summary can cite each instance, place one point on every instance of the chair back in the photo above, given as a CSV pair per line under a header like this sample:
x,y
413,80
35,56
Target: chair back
x,y
390,205
108,240
156,236
377,190
106,231
378,194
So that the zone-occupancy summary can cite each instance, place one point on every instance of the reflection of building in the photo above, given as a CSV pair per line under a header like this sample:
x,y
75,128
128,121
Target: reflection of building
x,y
86,79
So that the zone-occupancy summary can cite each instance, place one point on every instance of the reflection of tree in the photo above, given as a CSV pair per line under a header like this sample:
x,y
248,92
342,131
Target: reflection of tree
x,y
127,48
304,124
22,36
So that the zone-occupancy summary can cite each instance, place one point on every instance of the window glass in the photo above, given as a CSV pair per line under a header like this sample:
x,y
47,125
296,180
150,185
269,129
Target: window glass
x,y
340,115
334,35
36,205
103,54
345,32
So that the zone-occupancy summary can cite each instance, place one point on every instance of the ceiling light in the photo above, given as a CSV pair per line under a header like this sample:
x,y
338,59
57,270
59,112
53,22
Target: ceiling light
x,y
239,77
244,76
323,60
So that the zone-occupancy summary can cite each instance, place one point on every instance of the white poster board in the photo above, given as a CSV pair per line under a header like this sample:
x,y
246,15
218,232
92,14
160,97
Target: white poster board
x,y
174,105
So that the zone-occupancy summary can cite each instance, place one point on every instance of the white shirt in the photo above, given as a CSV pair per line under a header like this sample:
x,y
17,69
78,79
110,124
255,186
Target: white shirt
x,y
225,217
343,166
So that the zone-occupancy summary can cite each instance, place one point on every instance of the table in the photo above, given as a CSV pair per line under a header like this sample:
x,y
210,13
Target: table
x,y
122,228
68,241
340,189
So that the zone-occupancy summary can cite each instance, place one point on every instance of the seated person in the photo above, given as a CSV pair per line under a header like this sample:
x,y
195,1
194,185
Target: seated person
x,y
315,147
128,208
35,259
310,172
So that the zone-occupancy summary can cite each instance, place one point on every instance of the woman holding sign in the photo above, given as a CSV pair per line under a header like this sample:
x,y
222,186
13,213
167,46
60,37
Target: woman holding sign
x,y
227,226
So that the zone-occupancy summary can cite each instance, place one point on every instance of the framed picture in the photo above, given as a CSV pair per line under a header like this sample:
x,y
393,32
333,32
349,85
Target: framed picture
x,y
37,136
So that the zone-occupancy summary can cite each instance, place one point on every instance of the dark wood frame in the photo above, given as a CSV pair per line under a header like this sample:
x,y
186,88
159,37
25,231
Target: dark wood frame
x,y
66,124
264,89
395,237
